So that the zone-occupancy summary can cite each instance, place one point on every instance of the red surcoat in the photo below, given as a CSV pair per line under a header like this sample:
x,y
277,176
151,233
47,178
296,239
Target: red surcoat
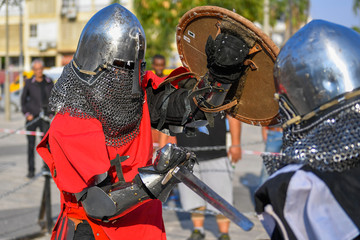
x,y
78,153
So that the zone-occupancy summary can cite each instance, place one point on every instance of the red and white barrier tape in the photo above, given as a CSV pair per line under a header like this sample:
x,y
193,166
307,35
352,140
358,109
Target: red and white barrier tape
x,y
156,145
22,132
250,152
214,148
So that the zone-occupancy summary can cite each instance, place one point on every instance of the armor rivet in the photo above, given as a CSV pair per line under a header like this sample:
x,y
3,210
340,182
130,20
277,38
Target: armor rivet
x,y
109,194
135,194
139,199
236,58
110,190
219,50
132,187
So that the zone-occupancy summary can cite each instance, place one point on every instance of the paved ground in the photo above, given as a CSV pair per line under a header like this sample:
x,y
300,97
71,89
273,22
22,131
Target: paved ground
x,y
19,204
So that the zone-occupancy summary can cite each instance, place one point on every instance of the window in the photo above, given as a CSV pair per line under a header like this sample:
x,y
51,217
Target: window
x,y
33,30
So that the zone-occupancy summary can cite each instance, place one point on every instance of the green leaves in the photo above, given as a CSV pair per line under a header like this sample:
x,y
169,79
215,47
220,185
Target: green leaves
x,y
159,18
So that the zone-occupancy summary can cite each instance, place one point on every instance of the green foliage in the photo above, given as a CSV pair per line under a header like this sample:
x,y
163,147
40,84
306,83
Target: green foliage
x,y
355,28
280,10
356,6
159,18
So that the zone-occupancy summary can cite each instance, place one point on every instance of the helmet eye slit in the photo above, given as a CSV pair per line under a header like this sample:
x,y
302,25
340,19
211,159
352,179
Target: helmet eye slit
x,y
123,64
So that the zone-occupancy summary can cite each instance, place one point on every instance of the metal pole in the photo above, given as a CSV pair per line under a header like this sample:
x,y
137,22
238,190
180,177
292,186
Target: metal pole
x,y
7,77
266,17
21,56
49,222
45,216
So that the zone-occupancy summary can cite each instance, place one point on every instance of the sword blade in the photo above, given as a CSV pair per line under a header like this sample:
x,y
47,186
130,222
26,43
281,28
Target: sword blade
x,y
209,195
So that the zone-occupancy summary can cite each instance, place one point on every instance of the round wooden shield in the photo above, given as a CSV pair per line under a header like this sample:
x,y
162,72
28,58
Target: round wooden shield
x,y
255,89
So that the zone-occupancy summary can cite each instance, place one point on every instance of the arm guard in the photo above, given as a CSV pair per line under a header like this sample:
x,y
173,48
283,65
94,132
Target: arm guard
x,y
107,201
200,99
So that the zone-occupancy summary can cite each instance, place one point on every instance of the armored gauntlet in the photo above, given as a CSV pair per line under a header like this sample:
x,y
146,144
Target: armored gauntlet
x,y
225,58
108,201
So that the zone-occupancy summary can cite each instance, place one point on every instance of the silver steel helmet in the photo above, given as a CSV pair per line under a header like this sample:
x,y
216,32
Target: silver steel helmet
x,y
317,78
103,80
320,63
112,36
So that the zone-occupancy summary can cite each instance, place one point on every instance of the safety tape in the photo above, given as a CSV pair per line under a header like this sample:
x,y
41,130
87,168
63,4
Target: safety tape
x,y
156,145
21,132
5,194
217,148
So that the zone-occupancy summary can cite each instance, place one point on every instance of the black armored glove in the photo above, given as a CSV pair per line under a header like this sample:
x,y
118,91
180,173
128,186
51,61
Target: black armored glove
x,y
225,56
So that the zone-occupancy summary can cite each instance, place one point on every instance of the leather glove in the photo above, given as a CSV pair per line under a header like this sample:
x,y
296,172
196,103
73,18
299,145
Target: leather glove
x,y
225,57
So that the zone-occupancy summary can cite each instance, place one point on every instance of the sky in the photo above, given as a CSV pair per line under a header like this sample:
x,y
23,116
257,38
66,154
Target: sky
x,y
336,11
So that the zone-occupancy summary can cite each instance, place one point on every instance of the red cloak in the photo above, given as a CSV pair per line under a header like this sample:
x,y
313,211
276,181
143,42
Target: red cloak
x,y
78,153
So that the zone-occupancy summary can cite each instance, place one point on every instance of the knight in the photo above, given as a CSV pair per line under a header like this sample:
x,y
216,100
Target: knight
x,y
313,191
99,148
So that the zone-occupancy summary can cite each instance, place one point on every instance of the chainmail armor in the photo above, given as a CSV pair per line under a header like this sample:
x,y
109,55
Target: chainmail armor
x,y
330,144
107,98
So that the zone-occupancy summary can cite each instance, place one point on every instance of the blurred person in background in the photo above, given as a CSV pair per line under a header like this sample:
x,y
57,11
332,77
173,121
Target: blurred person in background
x,y
272,137
158,65
215,169
34,105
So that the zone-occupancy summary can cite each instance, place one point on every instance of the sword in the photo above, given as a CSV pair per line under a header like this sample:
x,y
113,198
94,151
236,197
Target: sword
x,y
209,195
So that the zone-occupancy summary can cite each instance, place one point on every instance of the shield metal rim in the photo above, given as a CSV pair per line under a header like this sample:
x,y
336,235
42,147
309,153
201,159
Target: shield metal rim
x,y
218,12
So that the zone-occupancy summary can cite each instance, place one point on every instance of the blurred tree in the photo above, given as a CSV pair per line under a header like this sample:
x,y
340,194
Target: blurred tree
x,y
159,18
356,9
297,10
356,29
356,6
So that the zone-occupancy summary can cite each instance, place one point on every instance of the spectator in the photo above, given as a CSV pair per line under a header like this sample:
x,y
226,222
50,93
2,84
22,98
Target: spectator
x,y
214,169
272,137
158,65
34,102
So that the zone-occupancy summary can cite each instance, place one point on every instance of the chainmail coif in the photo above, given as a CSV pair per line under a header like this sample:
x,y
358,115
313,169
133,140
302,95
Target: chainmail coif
x,y
330,144
107,98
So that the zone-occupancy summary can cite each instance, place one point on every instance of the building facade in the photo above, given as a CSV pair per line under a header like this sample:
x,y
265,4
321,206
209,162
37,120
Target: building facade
x,y
50,29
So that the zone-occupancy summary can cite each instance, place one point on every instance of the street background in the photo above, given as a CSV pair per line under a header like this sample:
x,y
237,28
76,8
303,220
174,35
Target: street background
x,y
20,198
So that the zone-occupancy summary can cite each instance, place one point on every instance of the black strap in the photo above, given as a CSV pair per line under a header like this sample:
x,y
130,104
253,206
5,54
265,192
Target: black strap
x,y
117,163
168,90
